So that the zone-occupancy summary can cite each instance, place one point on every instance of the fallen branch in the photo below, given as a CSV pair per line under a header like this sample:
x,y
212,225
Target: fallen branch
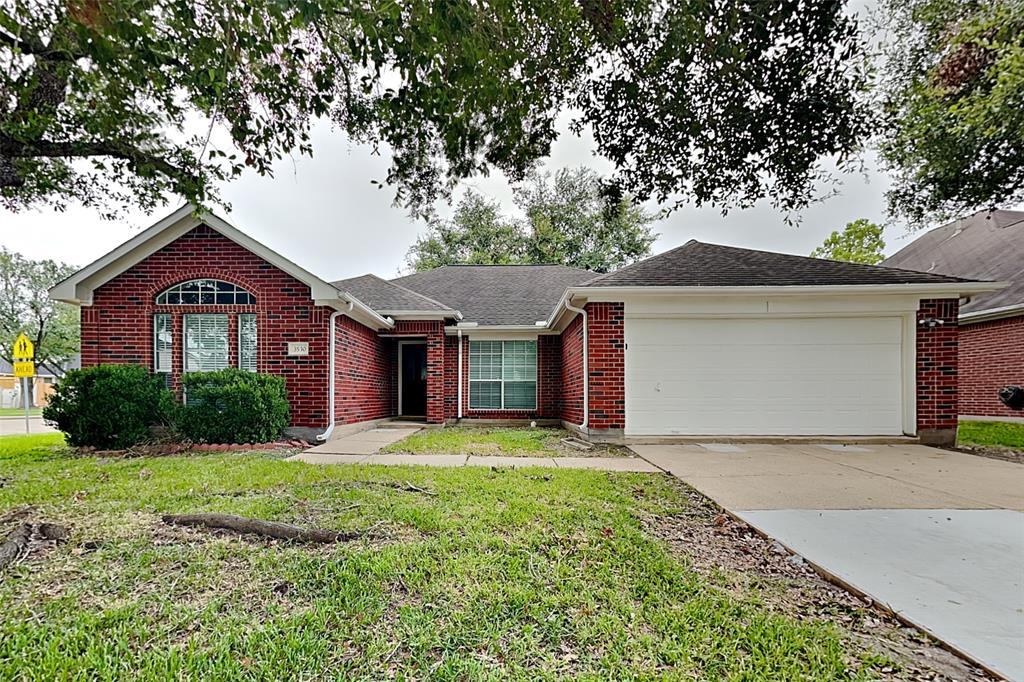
x,y
271,529
15,543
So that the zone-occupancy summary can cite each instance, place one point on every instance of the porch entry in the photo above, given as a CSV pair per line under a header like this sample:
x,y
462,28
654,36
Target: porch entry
x,y
412,378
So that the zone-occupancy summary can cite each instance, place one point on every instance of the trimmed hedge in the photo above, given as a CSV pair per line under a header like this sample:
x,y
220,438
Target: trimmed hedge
x,y
233,406
109,406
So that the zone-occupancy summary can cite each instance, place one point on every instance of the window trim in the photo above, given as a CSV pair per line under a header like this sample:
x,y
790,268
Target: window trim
x,y
502,381
235,292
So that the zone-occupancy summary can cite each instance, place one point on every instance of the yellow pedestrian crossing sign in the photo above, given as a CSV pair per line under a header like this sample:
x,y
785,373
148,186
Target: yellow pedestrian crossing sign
x,y
23,348
24,369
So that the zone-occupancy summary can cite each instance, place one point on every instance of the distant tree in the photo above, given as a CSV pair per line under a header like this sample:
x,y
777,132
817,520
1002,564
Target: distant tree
x,y
953,87
567,221
110,101
25,307
859,242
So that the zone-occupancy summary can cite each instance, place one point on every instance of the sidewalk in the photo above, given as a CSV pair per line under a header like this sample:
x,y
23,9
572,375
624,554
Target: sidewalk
x,y
634,464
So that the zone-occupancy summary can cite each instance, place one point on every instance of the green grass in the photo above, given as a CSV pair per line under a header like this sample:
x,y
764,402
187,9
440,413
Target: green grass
x,y
500,574
991,434
19,411
469,440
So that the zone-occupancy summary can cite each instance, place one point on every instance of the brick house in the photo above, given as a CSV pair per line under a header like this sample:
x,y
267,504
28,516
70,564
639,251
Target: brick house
x,y
988,245
700,340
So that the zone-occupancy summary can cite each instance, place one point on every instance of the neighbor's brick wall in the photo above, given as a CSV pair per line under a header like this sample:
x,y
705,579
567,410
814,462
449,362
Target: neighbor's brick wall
x,y
364,373
991,357
937,365
606,357
118,326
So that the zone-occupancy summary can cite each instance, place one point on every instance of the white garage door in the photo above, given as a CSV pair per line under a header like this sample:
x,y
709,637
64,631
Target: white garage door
x,y
766,376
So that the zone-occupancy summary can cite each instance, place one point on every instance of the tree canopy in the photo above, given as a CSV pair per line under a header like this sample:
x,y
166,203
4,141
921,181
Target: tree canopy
x,y
859,242
567,221
953,89
715,102
25,306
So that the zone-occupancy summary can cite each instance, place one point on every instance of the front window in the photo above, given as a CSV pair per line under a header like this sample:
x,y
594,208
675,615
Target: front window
x,y
247,342
163,340
206,342
503,375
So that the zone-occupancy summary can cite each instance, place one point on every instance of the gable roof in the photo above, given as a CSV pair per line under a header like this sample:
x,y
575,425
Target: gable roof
x,y
78,288
987,245
697,264
518,295
389,298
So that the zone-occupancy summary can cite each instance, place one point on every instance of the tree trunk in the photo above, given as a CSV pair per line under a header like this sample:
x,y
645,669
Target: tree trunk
x,y
272,529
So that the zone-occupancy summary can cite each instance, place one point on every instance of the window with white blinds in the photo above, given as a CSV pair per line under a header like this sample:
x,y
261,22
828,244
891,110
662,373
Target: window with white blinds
x,y
163,342
206,342
247,342
503,375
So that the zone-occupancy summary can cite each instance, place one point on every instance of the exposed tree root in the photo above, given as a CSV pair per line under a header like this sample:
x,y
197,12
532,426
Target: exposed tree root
x,y
271,529
19,539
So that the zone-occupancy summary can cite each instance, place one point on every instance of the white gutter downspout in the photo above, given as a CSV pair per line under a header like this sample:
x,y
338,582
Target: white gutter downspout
x,y
586,363
330,377
460,374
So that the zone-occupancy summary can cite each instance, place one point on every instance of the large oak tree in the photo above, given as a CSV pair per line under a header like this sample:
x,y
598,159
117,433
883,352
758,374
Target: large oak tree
x,y
720,101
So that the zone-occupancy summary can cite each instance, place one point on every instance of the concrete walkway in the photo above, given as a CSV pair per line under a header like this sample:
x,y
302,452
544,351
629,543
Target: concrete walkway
x,y
635,464
365,442
936,536
15,426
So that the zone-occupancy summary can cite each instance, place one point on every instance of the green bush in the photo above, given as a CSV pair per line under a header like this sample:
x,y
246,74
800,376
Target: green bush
x,y
233,406
108,406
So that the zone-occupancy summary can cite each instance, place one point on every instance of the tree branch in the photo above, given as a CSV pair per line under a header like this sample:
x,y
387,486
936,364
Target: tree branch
x,y
36,50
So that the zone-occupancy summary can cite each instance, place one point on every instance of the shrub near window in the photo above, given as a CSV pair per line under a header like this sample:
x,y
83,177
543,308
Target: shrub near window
x,y
233,406
108,406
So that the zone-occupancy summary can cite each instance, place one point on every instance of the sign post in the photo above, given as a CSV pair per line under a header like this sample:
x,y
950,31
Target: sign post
x,y
25,369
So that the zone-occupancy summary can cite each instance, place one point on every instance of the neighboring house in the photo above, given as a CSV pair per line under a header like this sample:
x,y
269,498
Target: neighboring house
x,y
700,340
42,384
988,245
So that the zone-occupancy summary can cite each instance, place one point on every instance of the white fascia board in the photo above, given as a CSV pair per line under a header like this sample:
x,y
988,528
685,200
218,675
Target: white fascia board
x,y
422,314
490,330
360,312
931,290
78,288
992,314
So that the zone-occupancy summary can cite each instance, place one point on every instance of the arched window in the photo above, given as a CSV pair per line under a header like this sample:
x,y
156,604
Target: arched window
x,y
205,292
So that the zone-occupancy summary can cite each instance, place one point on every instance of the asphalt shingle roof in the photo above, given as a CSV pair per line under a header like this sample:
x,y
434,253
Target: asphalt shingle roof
x,y
497,294
382,295
696,264
986,245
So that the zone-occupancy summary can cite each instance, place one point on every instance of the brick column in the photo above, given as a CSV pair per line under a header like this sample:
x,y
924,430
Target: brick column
x,y
435,374
606,357
937,348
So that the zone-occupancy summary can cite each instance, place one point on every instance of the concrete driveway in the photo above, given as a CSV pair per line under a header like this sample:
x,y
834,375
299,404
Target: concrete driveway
x,y
937,536
15,426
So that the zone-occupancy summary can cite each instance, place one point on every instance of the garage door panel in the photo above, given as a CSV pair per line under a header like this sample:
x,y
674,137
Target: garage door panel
x,y
782,376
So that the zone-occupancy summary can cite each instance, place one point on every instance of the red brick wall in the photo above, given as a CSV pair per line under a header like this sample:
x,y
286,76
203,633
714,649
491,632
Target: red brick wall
x,y
991,357
606,356
364,373
118,326
572,372
937,367
433,332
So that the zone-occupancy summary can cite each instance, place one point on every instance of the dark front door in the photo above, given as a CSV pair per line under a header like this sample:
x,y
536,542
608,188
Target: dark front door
x,y
414,379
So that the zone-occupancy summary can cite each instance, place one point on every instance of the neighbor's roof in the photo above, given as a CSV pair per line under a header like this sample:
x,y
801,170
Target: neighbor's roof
x,y
987,245
696,264
497,294
387,297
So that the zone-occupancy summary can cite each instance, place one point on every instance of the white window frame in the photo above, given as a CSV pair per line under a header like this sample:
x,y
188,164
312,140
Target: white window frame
x,y
206,286
156,348
255,341
502,381
184,341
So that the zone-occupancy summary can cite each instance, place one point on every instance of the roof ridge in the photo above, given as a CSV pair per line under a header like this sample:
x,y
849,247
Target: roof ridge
x,y
416,293
688,244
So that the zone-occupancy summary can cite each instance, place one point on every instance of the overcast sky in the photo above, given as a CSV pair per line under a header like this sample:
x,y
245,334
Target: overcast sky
x,y
324,213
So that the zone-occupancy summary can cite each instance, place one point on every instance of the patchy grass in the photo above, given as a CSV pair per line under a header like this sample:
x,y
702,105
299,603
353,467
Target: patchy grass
x,y
20,411
991,434
504,441
479,574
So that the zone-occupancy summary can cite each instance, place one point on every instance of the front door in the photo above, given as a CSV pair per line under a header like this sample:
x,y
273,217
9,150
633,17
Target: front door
x,y
413,378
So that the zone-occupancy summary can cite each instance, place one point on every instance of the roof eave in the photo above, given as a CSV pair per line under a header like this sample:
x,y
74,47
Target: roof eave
x,y
1000,313
931,288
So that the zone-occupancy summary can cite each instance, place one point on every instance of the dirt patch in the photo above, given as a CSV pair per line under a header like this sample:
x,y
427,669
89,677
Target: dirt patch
x,y
735,558
991,452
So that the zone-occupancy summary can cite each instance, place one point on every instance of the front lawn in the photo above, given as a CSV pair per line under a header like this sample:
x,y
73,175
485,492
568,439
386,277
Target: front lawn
x,y
467,573
991,434
504,441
